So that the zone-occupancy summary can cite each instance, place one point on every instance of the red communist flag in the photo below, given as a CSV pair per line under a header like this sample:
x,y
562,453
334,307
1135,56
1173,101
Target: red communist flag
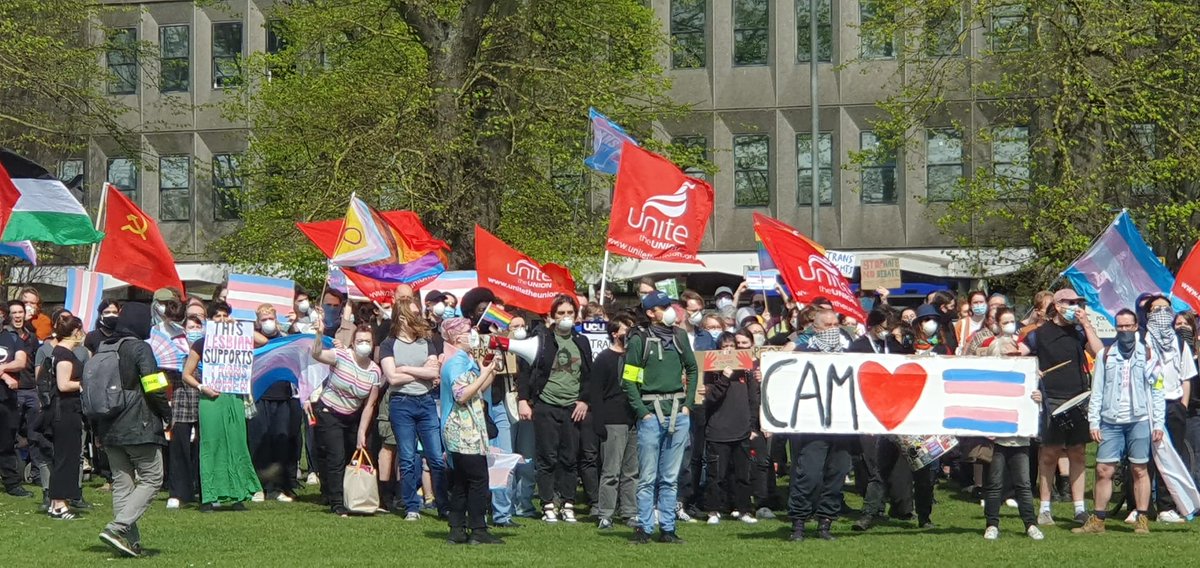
x,y
806,271
658,212
133,249
1187,281
517,279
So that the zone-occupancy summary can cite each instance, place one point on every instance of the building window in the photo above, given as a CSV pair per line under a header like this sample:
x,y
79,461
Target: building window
x,y
751,23
174,47
943,163
227,54
752,170
121,57
824,31
123,173
873,45
1010,161
696,145
70,169
227,188
688,48
878,172
943,30
1010,28
804,168
1144,140
174,188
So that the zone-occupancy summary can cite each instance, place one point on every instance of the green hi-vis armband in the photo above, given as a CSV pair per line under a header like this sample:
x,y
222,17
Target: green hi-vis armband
x,y
634,374
154,383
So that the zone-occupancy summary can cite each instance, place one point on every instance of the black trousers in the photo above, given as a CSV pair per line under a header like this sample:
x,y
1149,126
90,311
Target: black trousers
x,y
183,462
274,437
819,467
589,459
887,456
762,472
66,428
557,438
469,494
9,471
1176,425
692,475
728,476
1011,464
336,436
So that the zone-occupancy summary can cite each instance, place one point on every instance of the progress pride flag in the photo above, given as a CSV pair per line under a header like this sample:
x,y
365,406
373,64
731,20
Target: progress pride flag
x,y
517,279
658,213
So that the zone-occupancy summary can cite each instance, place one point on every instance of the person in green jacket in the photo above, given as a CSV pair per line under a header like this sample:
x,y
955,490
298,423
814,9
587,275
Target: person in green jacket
x,y
656,363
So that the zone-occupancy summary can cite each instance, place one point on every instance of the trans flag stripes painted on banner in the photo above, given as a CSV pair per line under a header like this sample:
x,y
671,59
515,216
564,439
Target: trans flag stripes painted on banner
x,y
1118,268
247,292
983,382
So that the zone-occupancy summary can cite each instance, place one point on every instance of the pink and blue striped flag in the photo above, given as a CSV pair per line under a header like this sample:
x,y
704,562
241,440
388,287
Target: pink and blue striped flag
x,y
607,139
247,292
1118,268
288,359
21,249
85,289
971,385
169,352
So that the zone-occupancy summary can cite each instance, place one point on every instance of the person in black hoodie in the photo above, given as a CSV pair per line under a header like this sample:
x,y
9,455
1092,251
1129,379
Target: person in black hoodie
x,y
731,401
134,439
619,462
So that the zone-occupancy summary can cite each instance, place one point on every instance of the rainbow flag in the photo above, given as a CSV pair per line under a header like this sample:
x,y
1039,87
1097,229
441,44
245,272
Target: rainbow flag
x,y
85,289
497,316
373,246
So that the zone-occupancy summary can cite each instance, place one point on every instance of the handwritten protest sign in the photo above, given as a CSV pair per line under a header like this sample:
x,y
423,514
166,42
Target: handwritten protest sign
x,y
506,363
896,394
762,280
880,273
597,334
845,262
736,359
228,356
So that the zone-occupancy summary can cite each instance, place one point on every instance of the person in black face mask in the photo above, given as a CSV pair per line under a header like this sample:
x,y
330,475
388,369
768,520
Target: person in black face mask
x,y
106,325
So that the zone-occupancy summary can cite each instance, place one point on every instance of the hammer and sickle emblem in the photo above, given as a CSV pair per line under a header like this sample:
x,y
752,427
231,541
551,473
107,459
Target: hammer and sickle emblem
x,y
137,225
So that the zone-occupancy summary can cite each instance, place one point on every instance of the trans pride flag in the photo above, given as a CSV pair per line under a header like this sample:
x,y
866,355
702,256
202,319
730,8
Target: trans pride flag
x,y
607,139
85,289
1118,268
288,359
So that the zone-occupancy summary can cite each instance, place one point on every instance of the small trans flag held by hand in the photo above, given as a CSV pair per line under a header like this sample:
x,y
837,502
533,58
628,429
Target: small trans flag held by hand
x,y
607,139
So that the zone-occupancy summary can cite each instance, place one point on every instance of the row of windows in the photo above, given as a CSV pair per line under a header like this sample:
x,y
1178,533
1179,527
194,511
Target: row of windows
x,y
752,25
175,181
878,180
175,61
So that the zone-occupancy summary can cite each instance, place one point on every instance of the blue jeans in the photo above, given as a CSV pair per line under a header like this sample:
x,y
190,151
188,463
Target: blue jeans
x,y
502,502
413,418
660,453
524,474
1131,441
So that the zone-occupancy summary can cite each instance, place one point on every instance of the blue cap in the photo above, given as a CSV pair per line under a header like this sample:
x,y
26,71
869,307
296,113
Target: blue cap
x,y
655,299
928,311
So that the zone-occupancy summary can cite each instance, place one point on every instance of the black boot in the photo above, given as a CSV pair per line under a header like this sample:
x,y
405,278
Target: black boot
x,y
387,495
823,527
458,536
797,531
1063,485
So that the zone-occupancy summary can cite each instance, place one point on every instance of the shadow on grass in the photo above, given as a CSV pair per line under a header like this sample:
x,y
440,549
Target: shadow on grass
x,y
101,548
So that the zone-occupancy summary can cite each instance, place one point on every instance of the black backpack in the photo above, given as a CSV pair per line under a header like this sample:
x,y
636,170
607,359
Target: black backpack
x,y
47,382
101,392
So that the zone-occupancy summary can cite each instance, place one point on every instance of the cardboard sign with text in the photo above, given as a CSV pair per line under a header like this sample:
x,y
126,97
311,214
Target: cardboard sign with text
x,y
736,359
228,356
879,273
843,393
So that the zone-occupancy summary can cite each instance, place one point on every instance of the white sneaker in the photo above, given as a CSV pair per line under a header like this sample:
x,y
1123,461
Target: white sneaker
x,y
714,519
1010,503
1169,517
1132,518
172,503
682,515
312,479
283,498
258,497
549,515
735,514
1034,532
568,513
748,519
413,516
992,533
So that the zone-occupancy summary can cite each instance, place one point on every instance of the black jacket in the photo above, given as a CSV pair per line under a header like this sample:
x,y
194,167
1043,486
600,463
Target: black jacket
x,y
610,403
730,406
142,422
863,345
539,372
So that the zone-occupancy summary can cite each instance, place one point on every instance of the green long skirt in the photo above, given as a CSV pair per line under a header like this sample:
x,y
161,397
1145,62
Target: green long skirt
x,y
226,471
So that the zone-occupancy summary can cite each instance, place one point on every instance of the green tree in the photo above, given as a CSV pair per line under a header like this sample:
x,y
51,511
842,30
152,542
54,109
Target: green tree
x,y
468,111
1070,111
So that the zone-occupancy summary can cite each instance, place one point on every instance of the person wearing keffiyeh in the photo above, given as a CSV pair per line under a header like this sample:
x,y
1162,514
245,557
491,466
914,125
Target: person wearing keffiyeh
x,y
1177,370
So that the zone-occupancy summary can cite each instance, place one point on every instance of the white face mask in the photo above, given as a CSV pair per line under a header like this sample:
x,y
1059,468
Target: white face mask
x,y
31,310
520,333
1008,328
304,306
362,349
882,334
930,327
724,302
158,307
269,327
668,317
695,318
760,340
439,309
566,324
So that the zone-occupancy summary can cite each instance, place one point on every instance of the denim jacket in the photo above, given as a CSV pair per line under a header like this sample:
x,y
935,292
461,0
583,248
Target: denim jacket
x,y
1147,396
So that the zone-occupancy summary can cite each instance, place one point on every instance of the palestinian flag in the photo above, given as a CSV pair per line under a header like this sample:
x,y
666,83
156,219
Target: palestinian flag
x,y
36,206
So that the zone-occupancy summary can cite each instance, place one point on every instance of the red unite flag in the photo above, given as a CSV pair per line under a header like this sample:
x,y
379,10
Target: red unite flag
x,y
517,279
806,271
658,212
1187,280
133,249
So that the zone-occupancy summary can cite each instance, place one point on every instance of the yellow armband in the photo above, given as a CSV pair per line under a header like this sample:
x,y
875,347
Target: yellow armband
x,y
154,383
634,374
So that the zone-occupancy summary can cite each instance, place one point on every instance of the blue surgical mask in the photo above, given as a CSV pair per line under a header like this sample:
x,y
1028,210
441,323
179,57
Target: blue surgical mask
x,y
715,333
194,336
979,309
1068,313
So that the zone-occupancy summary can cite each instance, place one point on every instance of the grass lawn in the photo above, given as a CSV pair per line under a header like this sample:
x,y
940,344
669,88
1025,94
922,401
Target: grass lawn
x,y
303,534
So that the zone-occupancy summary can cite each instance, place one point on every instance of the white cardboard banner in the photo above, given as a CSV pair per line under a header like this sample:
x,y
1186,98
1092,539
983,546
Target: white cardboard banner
x,y
844,393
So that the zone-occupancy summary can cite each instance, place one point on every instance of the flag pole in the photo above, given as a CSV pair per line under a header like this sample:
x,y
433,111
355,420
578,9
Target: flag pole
x,y
485,311
99,219
604,279
340,235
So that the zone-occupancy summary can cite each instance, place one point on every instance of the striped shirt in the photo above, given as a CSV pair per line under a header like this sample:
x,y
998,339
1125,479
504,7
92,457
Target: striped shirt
x,y
349,385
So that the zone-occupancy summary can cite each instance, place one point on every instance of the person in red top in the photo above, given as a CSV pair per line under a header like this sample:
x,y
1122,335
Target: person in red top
x,y
39,322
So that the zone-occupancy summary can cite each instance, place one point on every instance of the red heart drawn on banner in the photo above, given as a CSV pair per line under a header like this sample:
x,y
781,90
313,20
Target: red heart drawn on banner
x,y
891,395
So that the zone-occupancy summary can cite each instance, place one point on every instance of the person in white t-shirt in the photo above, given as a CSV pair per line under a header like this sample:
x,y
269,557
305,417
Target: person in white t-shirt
x,y
1176,366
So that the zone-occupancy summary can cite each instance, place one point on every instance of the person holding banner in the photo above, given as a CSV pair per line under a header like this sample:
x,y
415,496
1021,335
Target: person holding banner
x,y
345,408
226,471
731,403
1125,413
183,451
274,431
1177,371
